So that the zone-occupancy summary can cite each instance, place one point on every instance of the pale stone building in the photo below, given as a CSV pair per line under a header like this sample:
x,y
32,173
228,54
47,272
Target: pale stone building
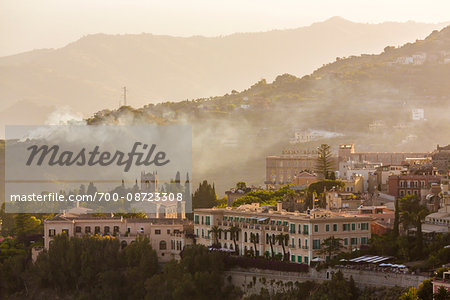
x,y
167,236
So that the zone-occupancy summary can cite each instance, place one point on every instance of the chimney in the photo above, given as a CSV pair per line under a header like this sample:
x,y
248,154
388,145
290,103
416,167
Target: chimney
x,y
279,206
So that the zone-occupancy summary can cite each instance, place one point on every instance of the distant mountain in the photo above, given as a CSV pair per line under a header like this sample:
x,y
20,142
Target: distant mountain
x,y
29,113
367,100
88,74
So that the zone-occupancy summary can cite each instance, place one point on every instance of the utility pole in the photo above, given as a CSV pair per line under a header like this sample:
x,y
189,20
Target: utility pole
x,y
125,96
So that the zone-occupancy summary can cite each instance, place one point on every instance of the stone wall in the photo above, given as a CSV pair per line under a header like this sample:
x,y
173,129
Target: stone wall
x,y
252,280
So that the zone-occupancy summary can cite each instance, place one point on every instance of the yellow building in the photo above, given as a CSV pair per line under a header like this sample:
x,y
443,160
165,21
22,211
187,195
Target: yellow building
x,y
305,232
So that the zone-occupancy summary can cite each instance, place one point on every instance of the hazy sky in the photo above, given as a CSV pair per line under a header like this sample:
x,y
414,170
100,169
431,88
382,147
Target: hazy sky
x,y
32,24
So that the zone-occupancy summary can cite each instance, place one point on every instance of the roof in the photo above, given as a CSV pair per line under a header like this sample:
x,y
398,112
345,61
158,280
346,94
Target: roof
x,y
370,259
315,214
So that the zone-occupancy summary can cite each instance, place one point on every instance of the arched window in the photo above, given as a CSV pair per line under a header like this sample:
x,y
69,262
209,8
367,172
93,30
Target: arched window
x,y
162,245
245,237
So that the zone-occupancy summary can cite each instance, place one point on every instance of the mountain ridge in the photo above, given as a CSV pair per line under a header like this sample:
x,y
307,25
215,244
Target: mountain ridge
x,y
88,74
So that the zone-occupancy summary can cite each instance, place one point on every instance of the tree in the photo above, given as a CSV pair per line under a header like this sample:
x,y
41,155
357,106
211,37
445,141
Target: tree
x,y
412,213
271,241
254,240
205,196
234,231
282,240
215,231
425,290
241,186
442,294
411,294
337,288
397,218
324,162
26,224
331,246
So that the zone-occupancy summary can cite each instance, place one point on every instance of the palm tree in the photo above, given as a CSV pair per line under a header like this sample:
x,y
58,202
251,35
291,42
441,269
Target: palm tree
x,y
282,240
331,246
234,231
254,240
271,241
215,231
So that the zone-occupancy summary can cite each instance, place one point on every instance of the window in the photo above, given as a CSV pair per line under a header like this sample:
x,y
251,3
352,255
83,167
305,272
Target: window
x,y
293,258
157,231
196,219
299,259
78,229
65,231
292,230
364,241
97,229
364,226
335,227
196,232
162,245
354,241
87,229
327,227
306,260
306,244
129,229
116,229
203,233
203,220
316,244
353,226
345,241
272,222
299,243
51,232
208,220
106,229
299,228
225,235
305,229
168,231
293,242
245,237
316,228
346,227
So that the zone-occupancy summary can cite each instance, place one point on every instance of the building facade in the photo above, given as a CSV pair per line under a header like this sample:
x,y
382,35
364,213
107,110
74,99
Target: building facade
x,y
441,160
402,185
167,236
282,169
347,152
304,232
